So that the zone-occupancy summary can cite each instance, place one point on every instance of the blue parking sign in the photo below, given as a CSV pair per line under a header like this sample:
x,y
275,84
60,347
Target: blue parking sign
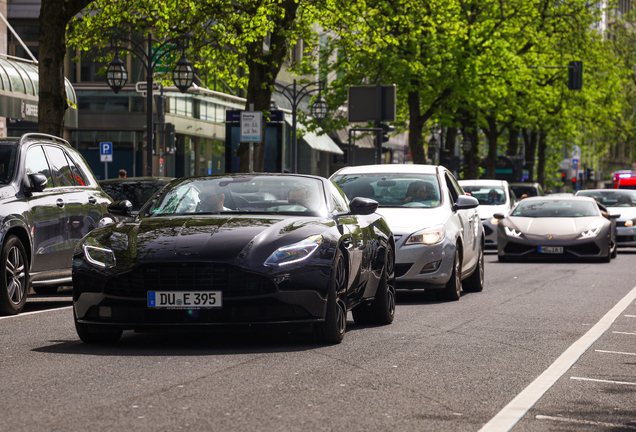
x,y
106,151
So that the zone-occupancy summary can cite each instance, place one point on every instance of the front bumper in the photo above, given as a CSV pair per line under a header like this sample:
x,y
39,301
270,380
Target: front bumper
x,y
422,266
528,247
248,298
490,233
625,237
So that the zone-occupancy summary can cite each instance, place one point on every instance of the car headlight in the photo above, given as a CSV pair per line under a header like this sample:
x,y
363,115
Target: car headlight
x,y
590,232
428,236
512,232
294,253
629,223
98,254
494,221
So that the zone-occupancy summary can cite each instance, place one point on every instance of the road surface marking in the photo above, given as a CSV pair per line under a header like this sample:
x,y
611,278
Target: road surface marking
x,y
631,316
614,352
634,334
35,312
595,423
603,381
519,406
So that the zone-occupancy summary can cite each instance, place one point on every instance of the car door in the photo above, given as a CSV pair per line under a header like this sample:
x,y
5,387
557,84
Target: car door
x,y
469,221
47,216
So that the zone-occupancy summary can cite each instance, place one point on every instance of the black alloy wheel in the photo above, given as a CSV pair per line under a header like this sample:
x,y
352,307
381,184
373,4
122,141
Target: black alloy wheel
x,y
475,282
96,334
382,309
333,329
14,267
453,289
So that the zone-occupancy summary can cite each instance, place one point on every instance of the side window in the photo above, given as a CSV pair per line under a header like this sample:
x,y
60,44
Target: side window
x,y
59,166
82,167
339,198
78,176
451,188
36,163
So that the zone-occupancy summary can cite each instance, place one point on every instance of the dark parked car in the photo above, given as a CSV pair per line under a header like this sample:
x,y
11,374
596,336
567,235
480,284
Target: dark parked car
x,y
137,190
242,250
49,200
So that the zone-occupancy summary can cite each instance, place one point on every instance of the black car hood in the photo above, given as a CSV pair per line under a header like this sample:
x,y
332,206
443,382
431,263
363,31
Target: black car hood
x,y
241,239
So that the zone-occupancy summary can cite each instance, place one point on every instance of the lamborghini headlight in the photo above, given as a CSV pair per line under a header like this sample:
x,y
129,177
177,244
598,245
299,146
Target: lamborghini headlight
x,y
428,236
590,232
294,253
513,232
98,254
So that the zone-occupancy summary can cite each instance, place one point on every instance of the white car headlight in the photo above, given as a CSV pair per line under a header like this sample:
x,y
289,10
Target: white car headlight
x,y
294,253
629,223
494,221
428,236
512,232
98,254
590,232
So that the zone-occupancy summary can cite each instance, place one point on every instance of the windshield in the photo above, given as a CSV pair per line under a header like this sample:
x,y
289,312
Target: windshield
x,y
393,190
612,198
556,208
487,195
137,192
249,194
7,162
525,190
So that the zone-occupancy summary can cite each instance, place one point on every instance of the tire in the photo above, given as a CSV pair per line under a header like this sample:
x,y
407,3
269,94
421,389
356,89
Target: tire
x,y
45,290
502,258
333,329
475,282
97,335
614,249
453,288
607,258
15,270
382,310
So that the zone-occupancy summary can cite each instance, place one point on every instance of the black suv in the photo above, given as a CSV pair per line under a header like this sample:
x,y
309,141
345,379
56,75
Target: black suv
x,y
49,199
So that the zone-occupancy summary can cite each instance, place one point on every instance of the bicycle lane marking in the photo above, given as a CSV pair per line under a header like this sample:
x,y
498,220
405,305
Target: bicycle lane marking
x,y
510,415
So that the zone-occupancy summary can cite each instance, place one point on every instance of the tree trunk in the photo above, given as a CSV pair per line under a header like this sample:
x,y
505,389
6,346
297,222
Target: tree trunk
x,y
264,66
449,146
416,126
543,145
492,135
471,157
531,151
513,140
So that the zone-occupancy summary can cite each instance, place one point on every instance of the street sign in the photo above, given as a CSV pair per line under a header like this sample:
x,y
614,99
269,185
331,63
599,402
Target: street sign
x,y
141,86
575,163
251,126
106,151
364,103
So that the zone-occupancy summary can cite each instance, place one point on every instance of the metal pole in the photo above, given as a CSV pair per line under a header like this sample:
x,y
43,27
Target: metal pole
x,y
162,131
378,123
294,139
149,125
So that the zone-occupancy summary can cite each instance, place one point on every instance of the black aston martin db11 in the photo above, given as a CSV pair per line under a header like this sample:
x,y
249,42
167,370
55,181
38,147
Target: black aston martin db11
x,y
557,227
236,250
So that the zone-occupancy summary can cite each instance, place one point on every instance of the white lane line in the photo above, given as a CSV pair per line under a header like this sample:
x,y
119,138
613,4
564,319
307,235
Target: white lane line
x,y
519,406
631,316
603,381
614,352
590,422
35,312
628,333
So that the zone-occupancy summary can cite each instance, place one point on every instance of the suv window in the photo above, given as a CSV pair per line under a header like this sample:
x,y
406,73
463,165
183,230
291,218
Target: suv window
x,y
36,163
7,161
59,167
78,176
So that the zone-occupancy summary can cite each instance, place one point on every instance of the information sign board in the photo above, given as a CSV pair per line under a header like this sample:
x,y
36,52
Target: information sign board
x,y
251,126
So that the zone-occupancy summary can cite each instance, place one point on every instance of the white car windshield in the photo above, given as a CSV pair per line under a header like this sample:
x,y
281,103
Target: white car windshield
x,y
612,198
556,208
487,195
392,190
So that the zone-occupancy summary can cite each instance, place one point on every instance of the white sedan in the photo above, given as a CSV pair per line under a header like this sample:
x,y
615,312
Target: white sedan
x,y
438,233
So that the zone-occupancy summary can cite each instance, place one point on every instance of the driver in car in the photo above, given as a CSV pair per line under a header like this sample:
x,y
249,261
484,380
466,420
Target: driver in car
x,y
298,195
418,191
211,199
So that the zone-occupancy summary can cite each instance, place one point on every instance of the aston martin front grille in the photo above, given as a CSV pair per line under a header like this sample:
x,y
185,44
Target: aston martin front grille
x,y
232,281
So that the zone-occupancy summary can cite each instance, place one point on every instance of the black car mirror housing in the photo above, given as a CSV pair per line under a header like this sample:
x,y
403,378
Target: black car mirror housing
x,y
363,206
499,216
120,208
37,182
465,202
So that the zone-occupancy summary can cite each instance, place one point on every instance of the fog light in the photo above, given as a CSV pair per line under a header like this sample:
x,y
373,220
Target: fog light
x,y
105,312
430,267
629,223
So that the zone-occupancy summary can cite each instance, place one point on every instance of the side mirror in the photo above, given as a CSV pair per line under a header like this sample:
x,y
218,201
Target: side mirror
x,y
38,183
465,202
614,216
120,208
499,216
363,206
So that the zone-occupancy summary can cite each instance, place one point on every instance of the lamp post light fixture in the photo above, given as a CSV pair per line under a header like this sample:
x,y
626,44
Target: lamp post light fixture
x,y
319,109
117,75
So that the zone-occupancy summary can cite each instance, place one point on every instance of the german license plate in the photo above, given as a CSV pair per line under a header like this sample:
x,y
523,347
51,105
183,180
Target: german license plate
x,y
185,299
551,249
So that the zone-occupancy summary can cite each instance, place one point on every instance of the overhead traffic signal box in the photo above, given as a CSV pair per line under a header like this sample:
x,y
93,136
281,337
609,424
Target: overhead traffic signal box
x,y
575,75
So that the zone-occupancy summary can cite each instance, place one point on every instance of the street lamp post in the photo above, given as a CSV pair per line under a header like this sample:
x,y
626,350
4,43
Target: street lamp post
x,y
294,95
117,75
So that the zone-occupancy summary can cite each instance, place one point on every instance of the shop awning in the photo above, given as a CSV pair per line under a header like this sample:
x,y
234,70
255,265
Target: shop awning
x,y
315,141
19,83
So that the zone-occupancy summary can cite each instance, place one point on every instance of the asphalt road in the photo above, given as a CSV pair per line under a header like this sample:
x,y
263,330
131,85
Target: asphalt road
x,y
439,367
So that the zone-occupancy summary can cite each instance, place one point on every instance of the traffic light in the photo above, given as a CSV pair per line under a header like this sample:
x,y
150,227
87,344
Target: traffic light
x,y
575,75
